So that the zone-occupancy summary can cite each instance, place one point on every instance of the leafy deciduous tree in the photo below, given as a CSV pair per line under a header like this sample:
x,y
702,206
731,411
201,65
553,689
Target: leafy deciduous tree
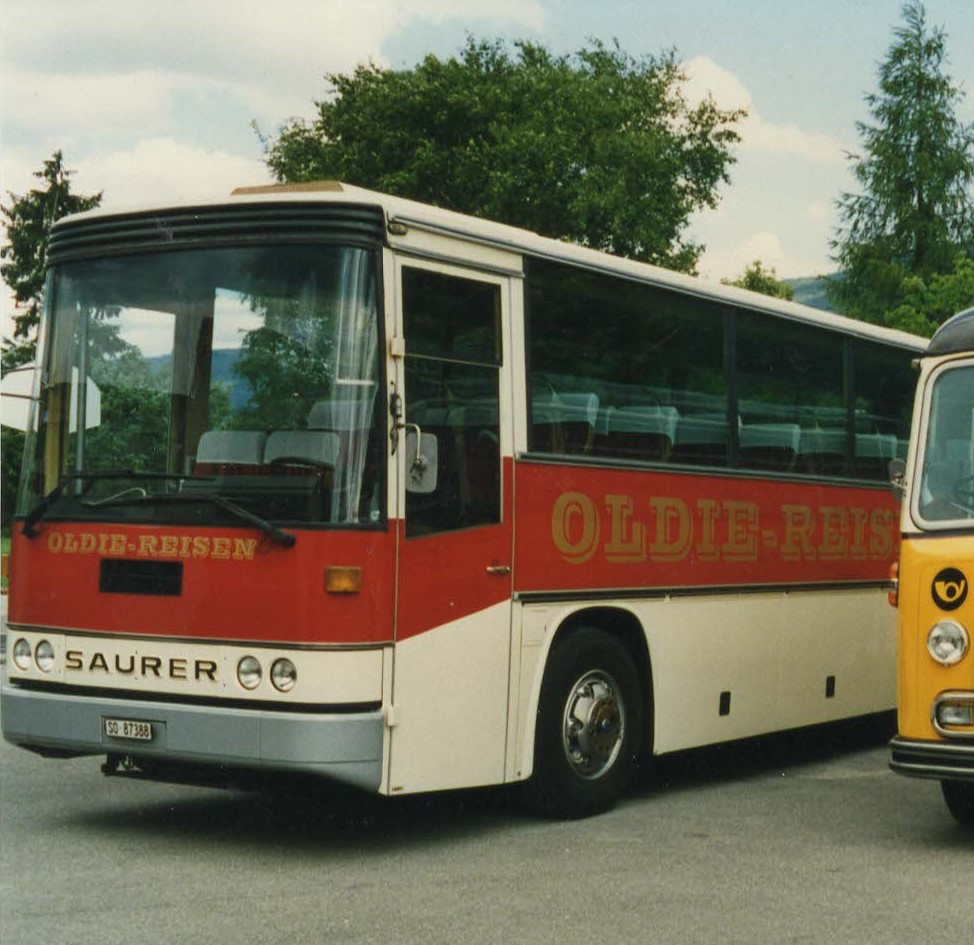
x,y
925,306
766,281
597,147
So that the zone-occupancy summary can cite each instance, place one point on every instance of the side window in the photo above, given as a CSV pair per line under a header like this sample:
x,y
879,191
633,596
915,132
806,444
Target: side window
x,y
452,368
791,397
883,387
623,370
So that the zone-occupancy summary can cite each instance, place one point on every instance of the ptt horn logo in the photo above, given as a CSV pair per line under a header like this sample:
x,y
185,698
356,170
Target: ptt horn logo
x,y
949,589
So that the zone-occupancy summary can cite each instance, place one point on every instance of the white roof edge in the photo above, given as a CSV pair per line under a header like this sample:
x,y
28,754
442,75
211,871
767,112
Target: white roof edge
x,y
514,239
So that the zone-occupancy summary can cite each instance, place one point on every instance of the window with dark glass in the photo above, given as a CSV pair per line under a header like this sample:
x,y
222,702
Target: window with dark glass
x,y
883,389
452,367
623,370
791,396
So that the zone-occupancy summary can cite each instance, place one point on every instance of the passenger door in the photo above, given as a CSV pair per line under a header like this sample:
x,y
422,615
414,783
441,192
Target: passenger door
x,y
455,537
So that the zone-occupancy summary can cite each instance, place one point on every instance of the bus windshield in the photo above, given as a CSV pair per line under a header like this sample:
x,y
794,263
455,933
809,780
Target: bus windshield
x,y
178,386
946,494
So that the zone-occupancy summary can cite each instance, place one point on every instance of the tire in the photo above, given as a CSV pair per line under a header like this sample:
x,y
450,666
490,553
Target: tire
x,y
589,727
959,797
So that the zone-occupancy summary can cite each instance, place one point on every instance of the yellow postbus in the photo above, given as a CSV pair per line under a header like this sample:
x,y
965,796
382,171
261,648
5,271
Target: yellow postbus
x,y
936,569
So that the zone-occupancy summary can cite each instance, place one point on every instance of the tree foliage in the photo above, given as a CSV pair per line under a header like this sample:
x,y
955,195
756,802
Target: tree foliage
x,y
758,279
597,147
915,211
924,305
29,219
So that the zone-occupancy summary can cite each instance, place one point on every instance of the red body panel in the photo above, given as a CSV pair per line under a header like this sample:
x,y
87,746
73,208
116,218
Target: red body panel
x,y
234,586
582,528
444,577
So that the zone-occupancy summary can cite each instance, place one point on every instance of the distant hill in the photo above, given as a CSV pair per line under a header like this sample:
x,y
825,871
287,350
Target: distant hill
x,y
221,369
811,291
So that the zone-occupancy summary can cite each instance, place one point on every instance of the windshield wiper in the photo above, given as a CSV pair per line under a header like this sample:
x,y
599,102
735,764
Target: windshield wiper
x,y
40,510
286,539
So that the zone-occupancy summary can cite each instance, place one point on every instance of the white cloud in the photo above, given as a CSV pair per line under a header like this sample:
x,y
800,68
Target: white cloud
x,y
279,52
110,103
705,77
165,170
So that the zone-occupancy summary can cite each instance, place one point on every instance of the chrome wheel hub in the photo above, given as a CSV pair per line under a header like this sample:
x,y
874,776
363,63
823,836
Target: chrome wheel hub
x,y
594,724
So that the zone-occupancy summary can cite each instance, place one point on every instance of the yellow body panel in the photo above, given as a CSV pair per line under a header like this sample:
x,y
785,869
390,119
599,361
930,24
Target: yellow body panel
x,y
921,679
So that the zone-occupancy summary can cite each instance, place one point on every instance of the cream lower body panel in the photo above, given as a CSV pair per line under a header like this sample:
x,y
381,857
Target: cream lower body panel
x,y
787,659
448,722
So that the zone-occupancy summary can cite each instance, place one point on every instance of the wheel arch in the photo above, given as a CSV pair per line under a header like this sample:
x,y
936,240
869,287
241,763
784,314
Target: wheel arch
x,y
624,625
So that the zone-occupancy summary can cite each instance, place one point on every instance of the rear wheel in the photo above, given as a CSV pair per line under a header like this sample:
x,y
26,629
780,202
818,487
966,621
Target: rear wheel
x,y
589,726
959,796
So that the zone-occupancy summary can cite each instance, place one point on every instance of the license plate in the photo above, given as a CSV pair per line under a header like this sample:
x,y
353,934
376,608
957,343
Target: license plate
x,y
129,728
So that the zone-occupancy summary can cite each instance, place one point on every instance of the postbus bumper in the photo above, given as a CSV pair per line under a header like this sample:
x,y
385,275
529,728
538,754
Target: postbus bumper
x,y
343,747
923,759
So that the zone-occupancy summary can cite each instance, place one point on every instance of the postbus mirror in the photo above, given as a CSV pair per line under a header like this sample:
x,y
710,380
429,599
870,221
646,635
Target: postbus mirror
x,y
897,476
422,454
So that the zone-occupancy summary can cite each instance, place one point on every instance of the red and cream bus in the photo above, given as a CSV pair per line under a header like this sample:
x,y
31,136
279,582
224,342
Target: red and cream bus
x,y
318,480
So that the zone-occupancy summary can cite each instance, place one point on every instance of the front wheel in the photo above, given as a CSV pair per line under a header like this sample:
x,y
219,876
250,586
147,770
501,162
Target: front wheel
x,y
959,796
589,727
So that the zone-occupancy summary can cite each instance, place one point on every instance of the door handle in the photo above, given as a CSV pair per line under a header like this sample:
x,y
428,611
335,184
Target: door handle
x,y
498,569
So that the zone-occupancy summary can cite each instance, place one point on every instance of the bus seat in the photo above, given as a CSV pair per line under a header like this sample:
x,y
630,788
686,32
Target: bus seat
x,y
822,451
701,440
873,453
639,432
579,412
300,450
771,446
230,452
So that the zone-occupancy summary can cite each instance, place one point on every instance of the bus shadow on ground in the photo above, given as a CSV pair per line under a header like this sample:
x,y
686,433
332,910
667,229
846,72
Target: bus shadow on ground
x,y
739,760
310,813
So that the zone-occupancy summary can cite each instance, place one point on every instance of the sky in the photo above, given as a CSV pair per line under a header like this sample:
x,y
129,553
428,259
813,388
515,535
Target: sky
x,y
157,101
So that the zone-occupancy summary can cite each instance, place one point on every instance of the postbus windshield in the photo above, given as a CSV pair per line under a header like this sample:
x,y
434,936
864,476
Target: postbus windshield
x,y
946,493
178,386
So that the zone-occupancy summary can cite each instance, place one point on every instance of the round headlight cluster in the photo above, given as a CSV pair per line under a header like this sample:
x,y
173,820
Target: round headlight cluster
x,y
42,656
284,673
249,672
947,642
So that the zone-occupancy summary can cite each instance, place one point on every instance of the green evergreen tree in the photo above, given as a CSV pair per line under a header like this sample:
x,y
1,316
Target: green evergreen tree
x,y
29,219
915,211
597,147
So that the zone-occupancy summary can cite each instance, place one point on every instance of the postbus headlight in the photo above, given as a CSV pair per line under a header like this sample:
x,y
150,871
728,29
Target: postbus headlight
x,y
947,642
284,675
22,655
44,656
249,672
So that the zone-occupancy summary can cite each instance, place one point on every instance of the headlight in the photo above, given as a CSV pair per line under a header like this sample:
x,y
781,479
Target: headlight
x,y
249,673
284,675
22,654
947,642
44,656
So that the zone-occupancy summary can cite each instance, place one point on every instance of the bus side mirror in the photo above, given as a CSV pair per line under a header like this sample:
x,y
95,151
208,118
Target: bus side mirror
x,y
897,476
422,454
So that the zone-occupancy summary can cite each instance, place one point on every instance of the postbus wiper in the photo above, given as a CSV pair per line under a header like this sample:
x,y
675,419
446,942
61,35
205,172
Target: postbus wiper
x,y
286,539
40,510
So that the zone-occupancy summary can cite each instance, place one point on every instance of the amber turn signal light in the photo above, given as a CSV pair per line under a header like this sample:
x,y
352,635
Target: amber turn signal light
x,y
340,580
893,596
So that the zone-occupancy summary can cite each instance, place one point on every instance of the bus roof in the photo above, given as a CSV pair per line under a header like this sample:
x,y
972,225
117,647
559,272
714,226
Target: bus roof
x,y
954,335
411,213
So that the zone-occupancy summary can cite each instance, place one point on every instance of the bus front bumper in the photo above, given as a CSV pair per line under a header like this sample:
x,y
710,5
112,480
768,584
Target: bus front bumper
x,y
927,759
343,747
